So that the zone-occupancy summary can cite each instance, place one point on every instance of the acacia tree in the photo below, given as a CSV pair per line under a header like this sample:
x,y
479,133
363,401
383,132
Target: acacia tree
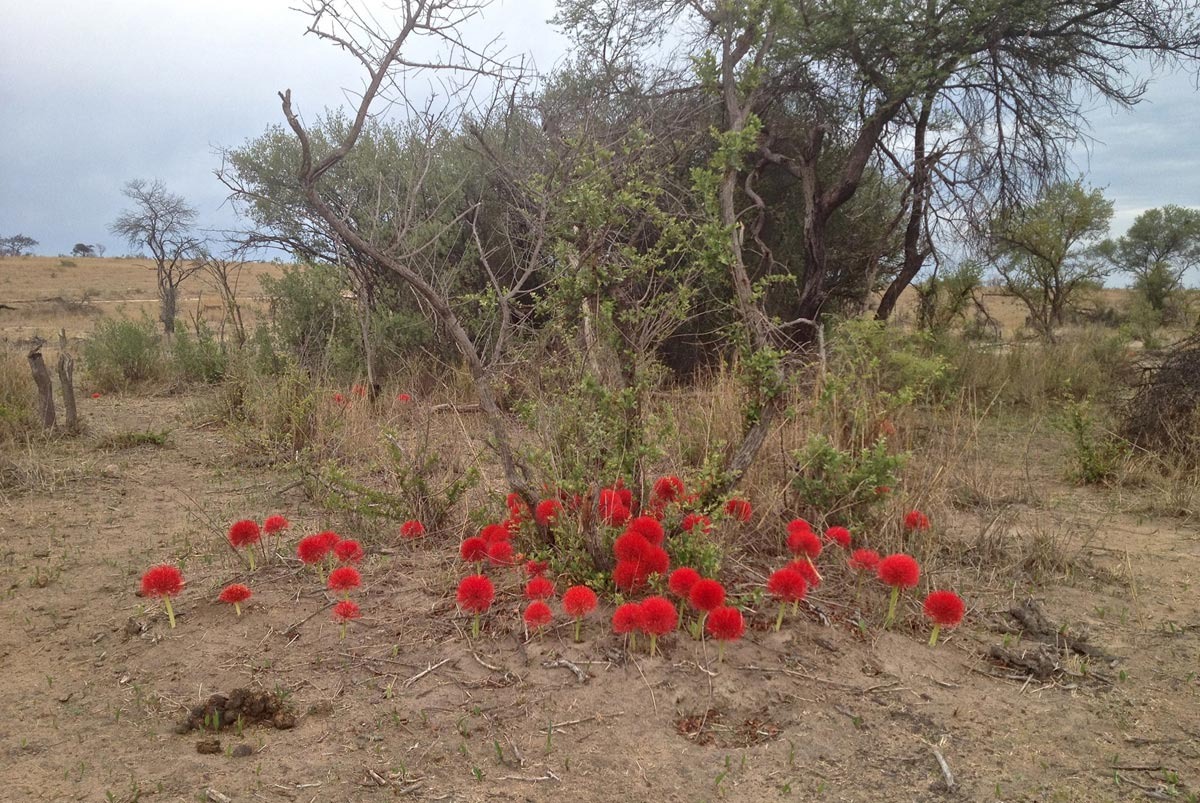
x,y
1158,249
16,245
1047,253
162,222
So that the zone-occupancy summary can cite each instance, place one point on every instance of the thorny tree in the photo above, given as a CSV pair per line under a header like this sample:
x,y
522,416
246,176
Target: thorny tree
x,y
162,222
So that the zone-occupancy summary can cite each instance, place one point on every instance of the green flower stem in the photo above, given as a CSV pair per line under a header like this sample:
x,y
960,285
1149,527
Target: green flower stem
x,y
779,618
237,606
934,637
633,642
891,614
170,611
250,553
653,642
720,652
578,623
343,631
475,627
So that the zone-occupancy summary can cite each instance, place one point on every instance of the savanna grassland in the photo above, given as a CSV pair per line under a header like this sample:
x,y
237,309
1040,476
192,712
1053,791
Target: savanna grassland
x,y
1074,676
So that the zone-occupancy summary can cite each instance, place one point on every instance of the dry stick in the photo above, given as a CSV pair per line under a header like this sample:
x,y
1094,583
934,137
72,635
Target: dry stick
x,y
553,726
425,672
292,628
941,760
563,663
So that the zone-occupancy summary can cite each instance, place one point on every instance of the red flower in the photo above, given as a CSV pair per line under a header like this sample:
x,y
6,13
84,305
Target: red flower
x,y
539,588
412,529
162,581
275,524
615,516
916,520
535,568
798,526
787,585
627,618
359,390
348,551
804,542
244,533
475,594
579,601
693,520
630,576
839,535
495,532
96,395
329,538
682,580
899,571
658,616
945,608
547,512
649,528
516,505
338,398
864,560
656,560
346,610
725,624
403,398
500,553
473,549
631,546
739,509
312,549
234,594
614,505
668,489
538,615
707,595
344,578
807,571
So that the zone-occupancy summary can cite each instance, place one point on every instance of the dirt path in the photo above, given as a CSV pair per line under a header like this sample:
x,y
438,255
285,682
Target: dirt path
x,y
407,706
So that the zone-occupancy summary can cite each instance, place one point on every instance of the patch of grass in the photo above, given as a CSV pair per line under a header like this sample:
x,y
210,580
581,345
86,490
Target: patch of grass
x,y
122,354
18,413
132,440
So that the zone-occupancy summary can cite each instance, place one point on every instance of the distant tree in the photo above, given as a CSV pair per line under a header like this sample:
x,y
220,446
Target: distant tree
x,y
99,248
16,245
1047,252
83,250
1159,248
162,222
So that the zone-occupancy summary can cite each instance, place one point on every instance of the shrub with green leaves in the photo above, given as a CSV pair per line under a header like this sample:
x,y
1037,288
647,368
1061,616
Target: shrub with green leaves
x,y
122,353
841,484
198,357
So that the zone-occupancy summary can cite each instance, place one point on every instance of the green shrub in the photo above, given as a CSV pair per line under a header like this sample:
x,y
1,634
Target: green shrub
x,y
1097,456
198,357
843,485
122,353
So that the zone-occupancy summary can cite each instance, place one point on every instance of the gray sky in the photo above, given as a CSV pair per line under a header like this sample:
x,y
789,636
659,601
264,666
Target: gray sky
x,y
96,92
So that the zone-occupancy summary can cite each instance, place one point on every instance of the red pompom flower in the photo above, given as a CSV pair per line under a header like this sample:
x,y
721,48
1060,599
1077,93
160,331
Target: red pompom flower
x,y
475,595
786,585
345,611
473,549
839,535
245,533
547,512
539,587
658,617
898,571
649,528
412,529
163,581
681,581
578,602
535,568
630,576
739,509
275,524
631,546
946,609
697,521
235,595
807,571
344,579
864,560
725,624
804,542
538,615
668,489
916,520
348,551
500,553
707,595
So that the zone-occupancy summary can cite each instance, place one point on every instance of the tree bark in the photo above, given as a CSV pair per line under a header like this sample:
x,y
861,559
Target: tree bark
x,y
41,378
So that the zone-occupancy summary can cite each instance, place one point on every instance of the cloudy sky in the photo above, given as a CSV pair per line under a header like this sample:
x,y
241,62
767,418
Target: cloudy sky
x,y
96,92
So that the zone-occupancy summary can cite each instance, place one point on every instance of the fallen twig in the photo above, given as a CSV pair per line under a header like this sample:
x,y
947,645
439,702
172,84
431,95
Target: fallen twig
x,y
424,672
946,773
570,722
563,663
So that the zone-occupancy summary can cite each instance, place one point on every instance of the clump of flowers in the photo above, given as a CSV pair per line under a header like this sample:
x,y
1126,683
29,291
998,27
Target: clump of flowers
x,y
500,553
649,528
578,602
412,529
786,585
344,611
693,522
344,579
668,489
274,525
862,561
916,520
538,615
681,581
725,624
235,595
547,512
839,535
536,568
657,618
163,581
403,398
899,571
245,533
475,595
946,609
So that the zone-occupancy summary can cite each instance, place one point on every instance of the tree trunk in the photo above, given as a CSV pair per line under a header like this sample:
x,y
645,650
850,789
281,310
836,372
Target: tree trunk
x,y
66,380
41,378
168,296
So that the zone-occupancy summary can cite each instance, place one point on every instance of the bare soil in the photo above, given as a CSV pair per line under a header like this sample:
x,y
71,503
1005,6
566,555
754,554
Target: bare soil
x,y
409,706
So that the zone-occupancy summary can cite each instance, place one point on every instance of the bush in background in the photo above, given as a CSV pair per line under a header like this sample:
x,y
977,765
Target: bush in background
x,y
123,353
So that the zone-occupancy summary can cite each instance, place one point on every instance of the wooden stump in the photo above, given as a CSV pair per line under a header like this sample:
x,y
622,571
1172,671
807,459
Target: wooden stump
x,y
41,378
66,380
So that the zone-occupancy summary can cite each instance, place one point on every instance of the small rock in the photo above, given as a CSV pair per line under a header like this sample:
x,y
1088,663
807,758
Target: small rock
x,y
284,720
208,746
242,751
